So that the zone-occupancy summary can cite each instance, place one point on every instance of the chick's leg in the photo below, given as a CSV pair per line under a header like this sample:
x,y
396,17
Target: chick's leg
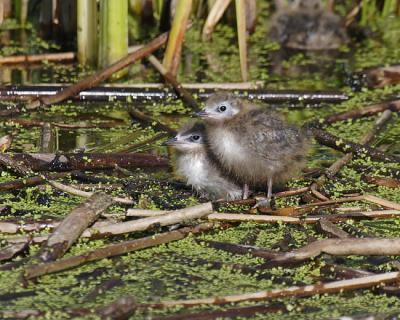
x,y
269,189
266,202
245,193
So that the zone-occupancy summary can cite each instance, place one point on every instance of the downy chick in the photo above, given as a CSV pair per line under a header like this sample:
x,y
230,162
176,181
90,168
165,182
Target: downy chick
x,y
255,145
307,25
198,168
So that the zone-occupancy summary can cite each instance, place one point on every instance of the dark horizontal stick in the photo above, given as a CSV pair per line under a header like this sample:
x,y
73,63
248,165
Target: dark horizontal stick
x,y
229,313
364,112
61,56
145,94
346,146
115,250
29,182
87,161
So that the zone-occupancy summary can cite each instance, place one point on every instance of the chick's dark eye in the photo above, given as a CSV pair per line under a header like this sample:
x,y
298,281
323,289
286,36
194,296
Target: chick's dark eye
x,y
222,108
195,137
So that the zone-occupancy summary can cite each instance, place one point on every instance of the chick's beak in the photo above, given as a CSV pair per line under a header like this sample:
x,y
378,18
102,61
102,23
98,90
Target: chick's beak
x,y
170,142
201,114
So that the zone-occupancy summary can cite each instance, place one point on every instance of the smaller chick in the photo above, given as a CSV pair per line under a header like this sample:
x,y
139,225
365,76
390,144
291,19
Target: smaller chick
x,y
306,25
198,168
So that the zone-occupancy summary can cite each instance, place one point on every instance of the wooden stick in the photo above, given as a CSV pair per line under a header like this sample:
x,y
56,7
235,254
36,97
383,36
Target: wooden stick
x,y
98,77
213,17
85,194
352,14
158,92
381,214
393,106
37,123
304,291
169,78
341,247
30,181
145,213
173,217
230,313
115,249
330,229
62,56
346,146
16,227
72,227
140,116
383,181
10,251
340,163
86,161
16,166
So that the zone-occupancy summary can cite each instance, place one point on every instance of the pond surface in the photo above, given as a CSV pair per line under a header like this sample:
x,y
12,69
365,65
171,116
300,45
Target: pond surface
x,y
188,268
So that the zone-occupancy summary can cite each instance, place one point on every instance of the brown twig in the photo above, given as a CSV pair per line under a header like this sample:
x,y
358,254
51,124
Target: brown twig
x,y
93,80
87,161
145,213
351,16
283,194
170,218
85,194
13,227
393,106
62,56
30,181
340,163
383,181
18,167
341,272
229,313
340,247
11,250
115,249
303,291
71,228
234,217
140,116
169,78
347,146
331,230
37,123
380,77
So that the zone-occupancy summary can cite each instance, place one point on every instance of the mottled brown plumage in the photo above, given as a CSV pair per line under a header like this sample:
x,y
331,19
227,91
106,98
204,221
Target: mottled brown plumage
x,y
307,25
254,144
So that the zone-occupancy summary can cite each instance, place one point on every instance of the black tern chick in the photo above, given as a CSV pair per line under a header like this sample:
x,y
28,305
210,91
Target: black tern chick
x,y
307,25
254,144
198,169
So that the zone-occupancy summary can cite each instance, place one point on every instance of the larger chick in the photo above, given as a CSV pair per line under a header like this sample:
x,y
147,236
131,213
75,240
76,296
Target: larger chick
x,y
256,145
199,169
307,25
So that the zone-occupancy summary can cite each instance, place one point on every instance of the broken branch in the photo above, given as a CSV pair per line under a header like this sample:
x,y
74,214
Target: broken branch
x,y
297,291
114,250
87,161
72,227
